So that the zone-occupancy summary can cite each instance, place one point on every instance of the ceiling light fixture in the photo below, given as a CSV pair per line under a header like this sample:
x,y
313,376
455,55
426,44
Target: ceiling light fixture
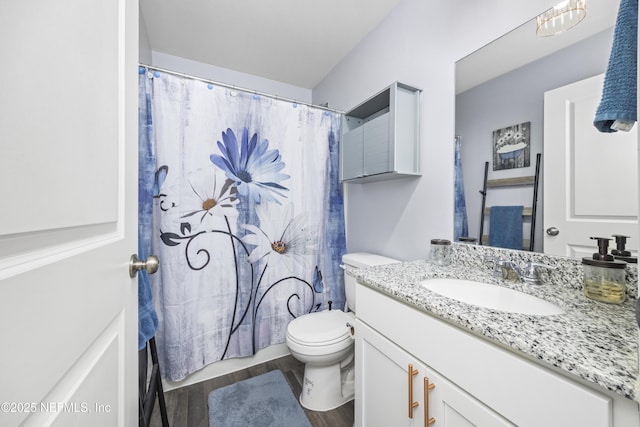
x,y
561,17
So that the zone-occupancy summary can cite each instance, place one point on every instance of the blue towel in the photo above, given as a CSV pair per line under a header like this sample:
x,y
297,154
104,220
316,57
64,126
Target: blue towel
x,y
505,227
619,92
147,316
147,183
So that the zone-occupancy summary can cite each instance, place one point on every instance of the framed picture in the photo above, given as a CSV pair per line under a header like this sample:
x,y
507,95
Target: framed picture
x,y
511,147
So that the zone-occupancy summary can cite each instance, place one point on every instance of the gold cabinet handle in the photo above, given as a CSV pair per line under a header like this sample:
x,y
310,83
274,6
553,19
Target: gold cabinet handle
x,y
427,421
412,372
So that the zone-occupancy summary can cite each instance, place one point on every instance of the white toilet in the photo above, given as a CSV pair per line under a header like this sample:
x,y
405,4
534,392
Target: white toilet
x,y
323,341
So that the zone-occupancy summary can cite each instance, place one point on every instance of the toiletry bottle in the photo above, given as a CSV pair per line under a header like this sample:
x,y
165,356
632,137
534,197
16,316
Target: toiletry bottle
x,y
604,277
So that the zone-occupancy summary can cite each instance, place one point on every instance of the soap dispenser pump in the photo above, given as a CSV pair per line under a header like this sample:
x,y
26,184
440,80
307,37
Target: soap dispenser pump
x,y
620,252
604,276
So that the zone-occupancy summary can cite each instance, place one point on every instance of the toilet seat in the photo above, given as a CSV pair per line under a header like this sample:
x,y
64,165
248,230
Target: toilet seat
x,y
320,329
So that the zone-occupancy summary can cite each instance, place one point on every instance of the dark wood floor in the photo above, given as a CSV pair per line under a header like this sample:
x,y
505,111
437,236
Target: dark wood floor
x,y
187,406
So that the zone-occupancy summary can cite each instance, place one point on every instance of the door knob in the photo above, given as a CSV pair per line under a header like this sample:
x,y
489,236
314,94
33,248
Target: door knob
x,y
552,231
135,265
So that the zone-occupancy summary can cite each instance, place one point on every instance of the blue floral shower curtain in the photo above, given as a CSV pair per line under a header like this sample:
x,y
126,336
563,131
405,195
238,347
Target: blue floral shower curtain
x,y
248,218
461,228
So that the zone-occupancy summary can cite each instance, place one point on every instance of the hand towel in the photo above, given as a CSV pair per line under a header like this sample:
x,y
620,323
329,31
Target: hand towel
x,y
618,103
505,227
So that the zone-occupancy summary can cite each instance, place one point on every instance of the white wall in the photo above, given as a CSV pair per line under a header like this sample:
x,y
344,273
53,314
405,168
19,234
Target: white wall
x,y
147,56
230,77
417,44
144,46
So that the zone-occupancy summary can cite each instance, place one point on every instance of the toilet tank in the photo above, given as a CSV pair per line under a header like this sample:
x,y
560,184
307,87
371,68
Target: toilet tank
x,y
359,260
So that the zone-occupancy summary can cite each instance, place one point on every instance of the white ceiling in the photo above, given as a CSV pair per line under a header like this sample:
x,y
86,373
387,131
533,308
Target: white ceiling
x,y
291,41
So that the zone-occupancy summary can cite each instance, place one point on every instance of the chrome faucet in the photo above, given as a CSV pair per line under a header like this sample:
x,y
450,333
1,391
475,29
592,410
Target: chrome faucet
x,y
497,266
529,273
509,270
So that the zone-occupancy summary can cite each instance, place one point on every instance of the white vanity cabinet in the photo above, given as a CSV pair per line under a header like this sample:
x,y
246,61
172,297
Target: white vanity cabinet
x,y
396,389
383,382
380,136
477,383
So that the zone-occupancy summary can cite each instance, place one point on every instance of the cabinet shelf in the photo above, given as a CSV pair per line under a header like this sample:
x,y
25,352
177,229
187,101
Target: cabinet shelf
x,y
511,182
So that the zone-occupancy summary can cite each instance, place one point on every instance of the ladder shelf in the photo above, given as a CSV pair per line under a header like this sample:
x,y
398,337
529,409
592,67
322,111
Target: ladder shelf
x,y
528,244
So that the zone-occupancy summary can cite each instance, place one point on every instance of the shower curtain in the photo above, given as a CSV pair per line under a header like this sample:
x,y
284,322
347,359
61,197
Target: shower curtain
x,y
461,228
248,218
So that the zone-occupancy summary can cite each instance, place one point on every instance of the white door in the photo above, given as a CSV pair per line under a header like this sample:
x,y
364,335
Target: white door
x,y
68,215
590,178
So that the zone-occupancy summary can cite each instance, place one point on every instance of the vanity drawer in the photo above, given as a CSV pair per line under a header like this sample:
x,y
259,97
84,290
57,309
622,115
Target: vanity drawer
x,y
524,392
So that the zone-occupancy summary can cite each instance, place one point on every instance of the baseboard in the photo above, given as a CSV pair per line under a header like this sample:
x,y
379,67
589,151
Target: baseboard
x,y
225,367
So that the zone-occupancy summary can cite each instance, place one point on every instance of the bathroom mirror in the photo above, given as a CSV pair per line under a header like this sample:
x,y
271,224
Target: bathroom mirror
x,y
501,86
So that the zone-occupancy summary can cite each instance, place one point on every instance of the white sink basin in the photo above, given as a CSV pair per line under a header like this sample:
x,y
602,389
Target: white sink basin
x,y
491,296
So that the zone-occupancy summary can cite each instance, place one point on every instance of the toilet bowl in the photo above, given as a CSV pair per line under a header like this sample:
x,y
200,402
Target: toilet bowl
x,y
324,342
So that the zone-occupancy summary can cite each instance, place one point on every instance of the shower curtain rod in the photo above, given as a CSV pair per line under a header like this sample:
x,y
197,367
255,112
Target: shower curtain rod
x,y
228,86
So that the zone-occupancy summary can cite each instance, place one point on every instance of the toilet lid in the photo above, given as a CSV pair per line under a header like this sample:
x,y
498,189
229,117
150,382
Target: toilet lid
x,y
320,328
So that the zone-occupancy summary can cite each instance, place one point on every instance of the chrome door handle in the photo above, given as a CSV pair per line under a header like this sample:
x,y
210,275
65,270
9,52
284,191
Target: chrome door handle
x,y
150,265
552,231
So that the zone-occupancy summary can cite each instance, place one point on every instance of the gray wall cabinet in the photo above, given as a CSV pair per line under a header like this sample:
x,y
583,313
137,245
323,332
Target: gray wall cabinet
x,y
380,136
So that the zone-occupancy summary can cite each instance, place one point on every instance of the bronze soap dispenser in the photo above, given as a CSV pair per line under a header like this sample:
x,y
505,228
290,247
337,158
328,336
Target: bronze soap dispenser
x,y
604,276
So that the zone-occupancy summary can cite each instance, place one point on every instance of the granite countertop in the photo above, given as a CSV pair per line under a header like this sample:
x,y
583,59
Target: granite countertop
x,y
593,341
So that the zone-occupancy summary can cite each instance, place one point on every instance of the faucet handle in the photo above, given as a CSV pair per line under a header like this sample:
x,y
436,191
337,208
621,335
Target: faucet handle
x,y
531,272
498,263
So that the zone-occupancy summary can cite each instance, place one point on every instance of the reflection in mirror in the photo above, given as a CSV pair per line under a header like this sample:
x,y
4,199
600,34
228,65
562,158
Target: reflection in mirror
x,y
499,102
